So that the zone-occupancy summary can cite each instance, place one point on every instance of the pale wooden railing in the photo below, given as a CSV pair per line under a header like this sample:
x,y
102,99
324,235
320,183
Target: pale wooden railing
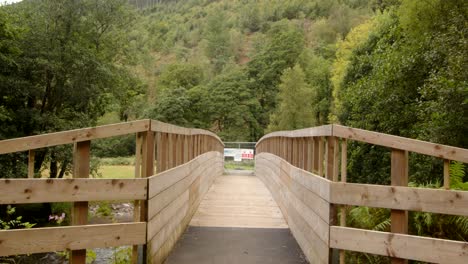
x,y
186,161
302,170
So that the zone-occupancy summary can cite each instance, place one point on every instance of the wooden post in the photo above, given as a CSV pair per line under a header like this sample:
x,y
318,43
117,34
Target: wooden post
x,y
31,163
344,162
399,177
147,170
80,209
136,209
447,174
331,173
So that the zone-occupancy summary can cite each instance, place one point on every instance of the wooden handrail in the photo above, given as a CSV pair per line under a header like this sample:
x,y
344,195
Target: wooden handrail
x,y
376,138
71,136
98,132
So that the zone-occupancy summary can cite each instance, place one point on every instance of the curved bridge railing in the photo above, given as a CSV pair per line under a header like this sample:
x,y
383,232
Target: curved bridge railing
x,y
186,161
305,171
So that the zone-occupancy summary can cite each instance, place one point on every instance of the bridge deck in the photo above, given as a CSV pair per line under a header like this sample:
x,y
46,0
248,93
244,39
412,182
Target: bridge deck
x,y
237,222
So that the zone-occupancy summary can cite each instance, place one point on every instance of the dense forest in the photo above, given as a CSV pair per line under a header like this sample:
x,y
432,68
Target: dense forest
x,y
243,68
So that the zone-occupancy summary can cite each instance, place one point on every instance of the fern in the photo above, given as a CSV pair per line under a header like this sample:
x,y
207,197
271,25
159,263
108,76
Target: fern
x,y
457,173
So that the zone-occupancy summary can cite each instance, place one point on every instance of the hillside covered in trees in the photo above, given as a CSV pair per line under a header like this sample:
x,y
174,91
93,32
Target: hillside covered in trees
x,y
239,68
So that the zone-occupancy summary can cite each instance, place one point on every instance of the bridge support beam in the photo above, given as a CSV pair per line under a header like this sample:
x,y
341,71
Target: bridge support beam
x,y
79,214
399,177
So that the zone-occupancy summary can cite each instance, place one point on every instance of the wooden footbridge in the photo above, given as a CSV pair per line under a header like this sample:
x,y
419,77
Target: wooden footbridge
x,y
291,204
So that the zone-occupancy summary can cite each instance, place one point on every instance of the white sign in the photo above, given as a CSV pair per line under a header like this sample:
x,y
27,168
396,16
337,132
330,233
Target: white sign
x,y
239,154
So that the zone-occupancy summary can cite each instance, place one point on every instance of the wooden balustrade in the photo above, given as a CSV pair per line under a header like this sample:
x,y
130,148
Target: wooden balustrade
x,y
186,161
309,194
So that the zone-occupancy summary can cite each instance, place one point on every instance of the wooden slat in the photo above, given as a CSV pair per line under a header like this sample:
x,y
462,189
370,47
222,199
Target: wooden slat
x,y
161,200
401,198
399,245
312,182
396,142
312,245
37,240
17,191
31,164
71,136
164,180
447,174
156,223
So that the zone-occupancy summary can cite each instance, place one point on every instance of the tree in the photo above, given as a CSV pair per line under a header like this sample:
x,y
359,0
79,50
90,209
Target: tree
x,y
285,43
218,42
294,102
72,54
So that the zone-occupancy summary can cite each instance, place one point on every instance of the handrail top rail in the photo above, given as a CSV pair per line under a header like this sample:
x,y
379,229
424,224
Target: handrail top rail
x,y
377,138
97,132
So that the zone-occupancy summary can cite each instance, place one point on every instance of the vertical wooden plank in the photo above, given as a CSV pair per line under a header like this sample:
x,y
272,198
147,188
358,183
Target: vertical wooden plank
x,y
300,153
170,161
344,163
164,151
186,150
79,212
31,163
180,149
399,177
136,209
305,154
314,155
336,158
320,154
310,154
447,174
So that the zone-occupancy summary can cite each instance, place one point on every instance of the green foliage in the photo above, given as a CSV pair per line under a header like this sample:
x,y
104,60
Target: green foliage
x,y
284,44
122,255
90,256
12,222
294,102
114,146
218,44
104,209
184,76
64,70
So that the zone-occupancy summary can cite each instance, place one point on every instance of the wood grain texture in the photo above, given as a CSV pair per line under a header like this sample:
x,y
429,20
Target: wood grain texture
x,y
79,210
37,240
173,207
16,191
312,245
158,126
399,245
396,142
401,198
238,201
306,132
71,136
300,206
